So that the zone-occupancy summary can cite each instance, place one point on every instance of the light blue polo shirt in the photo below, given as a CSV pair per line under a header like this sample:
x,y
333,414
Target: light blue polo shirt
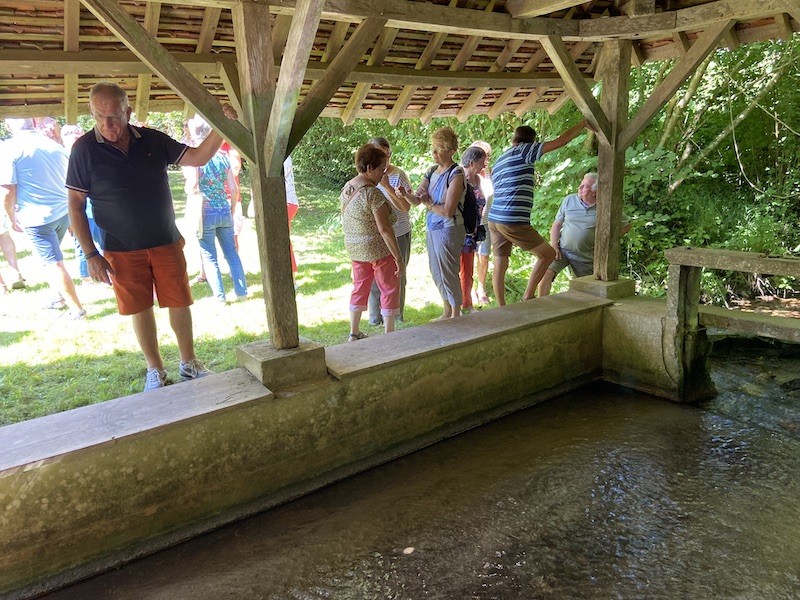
x,y
578,229
38,167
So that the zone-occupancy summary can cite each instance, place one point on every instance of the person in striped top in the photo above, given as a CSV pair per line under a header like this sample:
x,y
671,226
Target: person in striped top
x,y
510,214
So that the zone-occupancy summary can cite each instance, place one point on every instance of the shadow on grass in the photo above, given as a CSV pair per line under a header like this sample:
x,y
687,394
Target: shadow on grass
x,y
31,391
7,338
318,277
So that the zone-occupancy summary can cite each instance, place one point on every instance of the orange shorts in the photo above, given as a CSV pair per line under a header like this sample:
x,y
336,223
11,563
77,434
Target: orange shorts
x,y
506,236
139,272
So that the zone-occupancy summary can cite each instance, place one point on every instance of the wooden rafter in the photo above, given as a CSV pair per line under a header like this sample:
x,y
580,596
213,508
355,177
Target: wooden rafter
x,y
335,41
470,44
478,93
580,93
287,91
702,47
523,9
379,52
575,52
319,95
500,104
152,15
72,22
280,32
147,48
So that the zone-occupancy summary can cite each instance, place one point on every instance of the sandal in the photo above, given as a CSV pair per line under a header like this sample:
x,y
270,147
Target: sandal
x,y
354,337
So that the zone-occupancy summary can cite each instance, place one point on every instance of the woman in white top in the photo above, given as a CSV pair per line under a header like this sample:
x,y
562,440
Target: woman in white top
x,y
392,179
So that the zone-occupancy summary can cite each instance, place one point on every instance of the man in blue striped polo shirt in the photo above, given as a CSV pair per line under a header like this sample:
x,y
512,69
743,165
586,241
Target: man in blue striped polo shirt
x,y
510,215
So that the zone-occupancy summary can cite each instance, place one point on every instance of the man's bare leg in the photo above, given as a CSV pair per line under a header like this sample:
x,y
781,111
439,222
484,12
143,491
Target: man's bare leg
x,y
181,320
546,283
144,326
499,279
545,255
9,249
62,283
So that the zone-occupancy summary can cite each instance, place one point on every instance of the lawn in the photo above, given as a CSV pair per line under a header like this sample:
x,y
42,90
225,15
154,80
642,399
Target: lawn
x,y
49,364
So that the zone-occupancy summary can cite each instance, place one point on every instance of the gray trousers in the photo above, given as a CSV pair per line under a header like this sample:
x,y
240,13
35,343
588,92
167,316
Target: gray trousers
x,y
404,243
444,256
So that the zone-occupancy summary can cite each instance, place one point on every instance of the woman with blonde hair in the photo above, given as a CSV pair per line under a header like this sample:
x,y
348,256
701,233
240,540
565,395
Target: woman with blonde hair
x,y
442,191
370,241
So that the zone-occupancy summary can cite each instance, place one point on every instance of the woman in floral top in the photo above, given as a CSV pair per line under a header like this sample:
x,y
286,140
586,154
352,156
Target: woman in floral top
x,y
208,185
370,241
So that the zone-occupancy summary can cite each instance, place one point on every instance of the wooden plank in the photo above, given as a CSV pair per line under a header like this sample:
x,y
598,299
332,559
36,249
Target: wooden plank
x,y
524,9
287,91
335,41
615,73
145,46
424,61
783,23
553,107
763,325
379,52
702,47
229,75
681,42
457,65
319,95
731,39
733,260
574,83
152,15
685,19
255,68
479,92
639,8
72,15
208,30
466,52
500,104
89,62
280,33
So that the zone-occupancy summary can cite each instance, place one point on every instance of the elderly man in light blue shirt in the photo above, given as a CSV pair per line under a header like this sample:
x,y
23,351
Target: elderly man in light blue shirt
x,y
33,169
572,234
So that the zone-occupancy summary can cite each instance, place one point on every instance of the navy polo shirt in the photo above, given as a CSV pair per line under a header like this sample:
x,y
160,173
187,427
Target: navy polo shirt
x,y
130,193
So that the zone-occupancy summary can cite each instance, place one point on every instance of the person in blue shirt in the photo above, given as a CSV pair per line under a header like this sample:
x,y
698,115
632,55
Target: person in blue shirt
x,y
572,234
510,214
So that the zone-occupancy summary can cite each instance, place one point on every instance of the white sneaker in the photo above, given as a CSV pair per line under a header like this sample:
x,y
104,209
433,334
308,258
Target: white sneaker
x,y
193,369
155,378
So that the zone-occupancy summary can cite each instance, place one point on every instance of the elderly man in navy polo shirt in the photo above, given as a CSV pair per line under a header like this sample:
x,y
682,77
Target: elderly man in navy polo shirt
x,y
124,170
572,233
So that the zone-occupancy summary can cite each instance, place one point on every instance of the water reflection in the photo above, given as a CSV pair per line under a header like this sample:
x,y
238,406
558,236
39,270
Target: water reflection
x,y
601,494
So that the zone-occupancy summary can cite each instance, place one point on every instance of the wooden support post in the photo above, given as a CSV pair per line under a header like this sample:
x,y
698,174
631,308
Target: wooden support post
x,y
615,72
252,32
72,13
685,344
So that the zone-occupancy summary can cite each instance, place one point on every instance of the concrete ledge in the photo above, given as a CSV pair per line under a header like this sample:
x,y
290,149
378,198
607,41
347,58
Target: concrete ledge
x,y
277,369
612,290
140,480
779,328
348,360
38,441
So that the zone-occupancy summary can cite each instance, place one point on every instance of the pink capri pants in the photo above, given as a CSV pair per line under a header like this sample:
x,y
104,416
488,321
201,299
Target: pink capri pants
x,y
383,272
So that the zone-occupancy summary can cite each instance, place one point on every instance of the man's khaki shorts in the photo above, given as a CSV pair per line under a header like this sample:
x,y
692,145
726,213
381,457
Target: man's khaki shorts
x,y
506,236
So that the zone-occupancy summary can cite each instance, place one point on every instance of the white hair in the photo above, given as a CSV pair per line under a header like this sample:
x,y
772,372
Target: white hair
x,y
199,128
594,178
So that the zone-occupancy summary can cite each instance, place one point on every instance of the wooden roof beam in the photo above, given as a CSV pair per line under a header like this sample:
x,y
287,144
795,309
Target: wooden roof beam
x,y
578,90
424,61
379,52
685,19
523,9
147,48
470,44
152,15
335,75
72,23
290,79
478,93
704,45
500,104
784,24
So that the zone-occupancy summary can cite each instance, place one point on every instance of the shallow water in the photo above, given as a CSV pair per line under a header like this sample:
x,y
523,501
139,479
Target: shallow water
x,y
603,493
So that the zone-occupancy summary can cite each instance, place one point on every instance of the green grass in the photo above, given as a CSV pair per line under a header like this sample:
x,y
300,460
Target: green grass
x,y
49,364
